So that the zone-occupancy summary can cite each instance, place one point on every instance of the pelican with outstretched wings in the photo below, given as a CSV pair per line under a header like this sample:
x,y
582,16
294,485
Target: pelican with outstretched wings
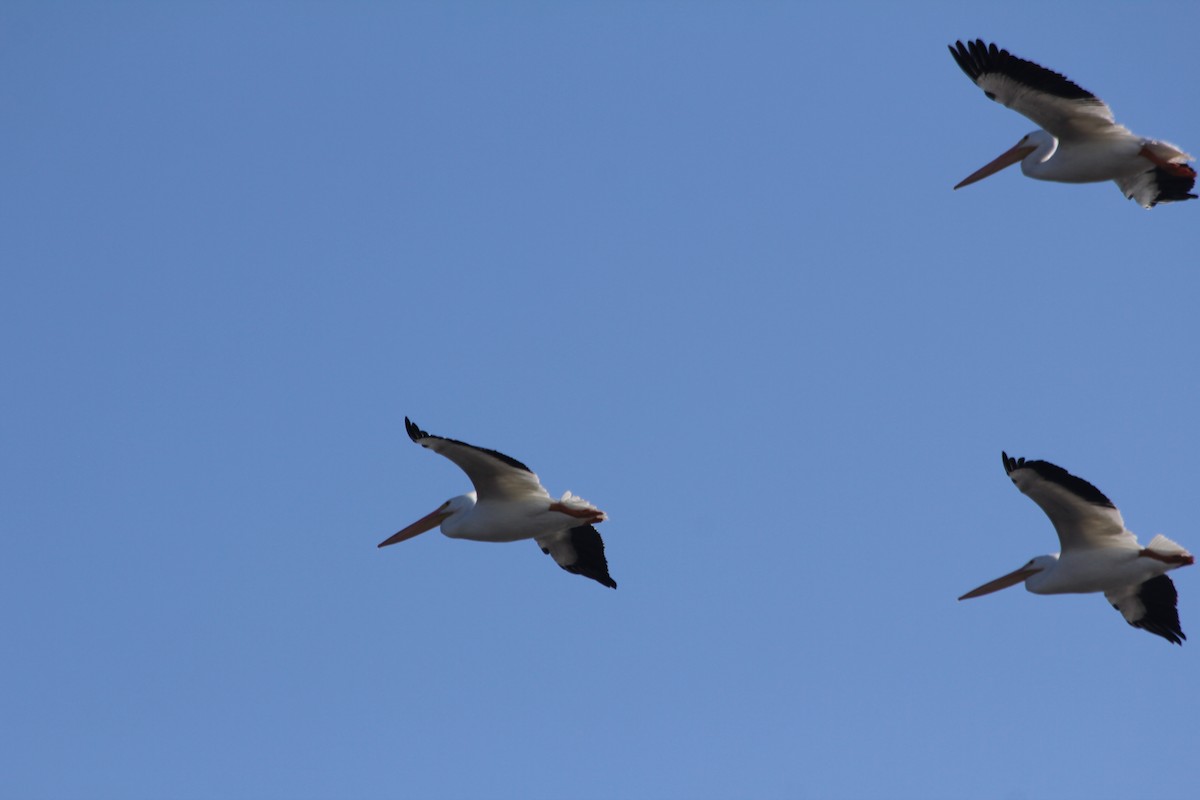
x,y
1098,553
509,503
1079,140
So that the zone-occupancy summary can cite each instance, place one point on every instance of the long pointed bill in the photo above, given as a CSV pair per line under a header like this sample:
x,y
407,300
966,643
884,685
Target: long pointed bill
x,y
1006,160
420,526
1011,579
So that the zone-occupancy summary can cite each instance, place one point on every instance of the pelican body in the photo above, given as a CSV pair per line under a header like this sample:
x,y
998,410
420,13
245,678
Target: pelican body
x,y
509,504
1098,553
1080,141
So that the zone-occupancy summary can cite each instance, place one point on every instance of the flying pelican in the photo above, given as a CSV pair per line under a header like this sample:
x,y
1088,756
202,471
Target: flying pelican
x,y
1081,142
509,503
1098,553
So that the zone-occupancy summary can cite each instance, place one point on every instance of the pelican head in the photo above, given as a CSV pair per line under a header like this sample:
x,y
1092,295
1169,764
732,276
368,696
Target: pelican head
x,y
455,505
1033,567
1039,144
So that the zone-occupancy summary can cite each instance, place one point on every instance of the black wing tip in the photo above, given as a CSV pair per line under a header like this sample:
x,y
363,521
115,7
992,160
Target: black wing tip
x,y
1173,187
1010,464
962,56
1160,599
414,432
589,556
1172,635
976,57
604,580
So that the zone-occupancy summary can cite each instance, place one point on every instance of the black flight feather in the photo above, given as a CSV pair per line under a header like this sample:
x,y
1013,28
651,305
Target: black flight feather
x,y
416,434
977,59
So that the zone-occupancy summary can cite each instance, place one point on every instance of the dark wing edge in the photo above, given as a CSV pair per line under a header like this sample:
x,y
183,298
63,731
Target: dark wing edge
x,y
977,59
1159,598
589,555
416,434
1056,474
1171,187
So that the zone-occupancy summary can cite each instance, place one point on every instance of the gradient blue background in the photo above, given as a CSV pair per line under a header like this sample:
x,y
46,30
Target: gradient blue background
x,y
698,262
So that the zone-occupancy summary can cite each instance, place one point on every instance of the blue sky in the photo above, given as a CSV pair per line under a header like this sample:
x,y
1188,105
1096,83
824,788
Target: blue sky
x,y
698,263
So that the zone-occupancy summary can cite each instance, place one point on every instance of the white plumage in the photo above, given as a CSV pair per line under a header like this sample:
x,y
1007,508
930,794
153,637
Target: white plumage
x,y
1098,553
509,503
1080,141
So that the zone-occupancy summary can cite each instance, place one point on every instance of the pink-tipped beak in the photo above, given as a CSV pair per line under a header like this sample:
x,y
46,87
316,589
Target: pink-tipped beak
x,y
1007,159
420,526
1004,582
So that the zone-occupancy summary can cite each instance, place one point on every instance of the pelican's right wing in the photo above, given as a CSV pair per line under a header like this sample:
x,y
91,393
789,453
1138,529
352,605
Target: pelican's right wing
x,y
494,475
1054,102
1083,517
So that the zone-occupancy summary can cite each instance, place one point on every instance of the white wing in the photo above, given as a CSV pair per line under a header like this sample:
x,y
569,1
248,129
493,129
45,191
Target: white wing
x,y
494,475
1083,517
1055,103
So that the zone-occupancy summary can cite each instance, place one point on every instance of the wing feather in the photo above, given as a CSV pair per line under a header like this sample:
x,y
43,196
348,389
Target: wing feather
x,y
1083,517
494,475
579,550
1152,606
1053,101
1158,186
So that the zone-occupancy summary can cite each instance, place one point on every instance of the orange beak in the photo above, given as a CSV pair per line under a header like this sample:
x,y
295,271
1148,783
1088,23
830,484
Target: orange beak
x,y
1006,160
420,526
1001,583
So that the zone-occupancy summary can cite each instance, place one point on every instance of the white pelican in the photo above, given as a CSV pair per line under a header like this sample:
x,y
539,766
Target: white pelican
x,y
1098,553
1080,143
509,503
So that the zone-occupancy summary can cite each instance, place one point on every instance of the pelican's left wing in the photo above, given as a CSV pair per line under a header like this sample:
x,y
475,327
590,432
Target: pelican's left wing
x,y
1159,185
579,550
1151,607
1082,515
494,475
1054,102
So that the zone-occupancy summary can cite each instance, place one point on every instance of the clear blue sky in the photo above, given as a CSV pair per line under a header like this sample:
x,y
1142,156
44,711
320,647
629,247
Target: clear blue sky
x,y
698,262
